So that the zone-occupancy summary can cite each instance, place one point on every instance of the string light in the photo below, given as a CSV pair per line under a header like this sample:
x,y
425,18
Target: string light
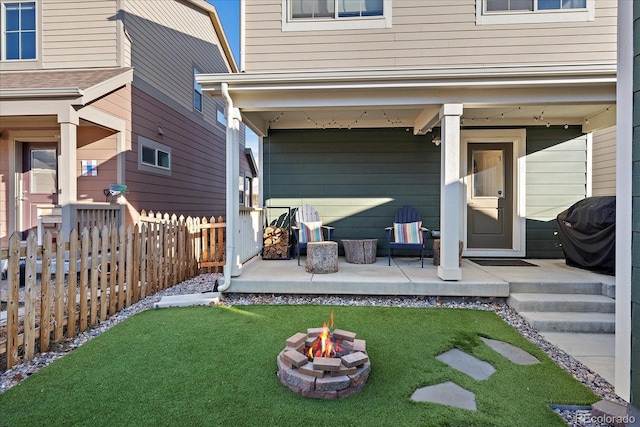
x,y
333,123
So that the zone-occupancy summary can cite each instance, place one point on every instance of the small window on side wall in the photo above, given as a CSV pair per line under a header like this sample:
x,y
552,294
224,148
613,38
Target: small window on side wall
x,y
154,157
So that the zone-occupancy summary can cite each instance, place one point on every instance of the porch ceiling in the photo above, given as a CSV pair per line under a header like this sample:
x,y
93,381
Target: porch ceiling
x,y
412,98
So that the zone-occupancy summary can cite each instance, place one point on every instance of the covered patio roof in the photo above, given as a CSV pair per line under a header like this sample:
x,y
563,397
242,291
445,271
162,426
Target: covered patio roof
x,y
411,98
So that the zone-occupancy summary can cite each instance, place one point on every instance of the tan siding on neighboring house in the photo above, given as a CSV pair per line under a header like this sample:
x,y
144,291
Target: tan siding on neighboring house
x,y
169,39
426,34
196,185
604,162
95,143
79,34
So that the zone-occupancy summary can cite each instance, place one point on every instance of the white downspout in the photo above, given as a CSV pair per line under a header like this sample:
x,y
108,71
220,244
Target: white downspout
x,y
232,266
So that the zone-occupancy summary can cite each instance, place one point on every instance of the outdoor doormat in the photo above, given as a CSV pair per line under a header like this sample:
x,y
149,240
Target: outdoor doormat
x,y
486,262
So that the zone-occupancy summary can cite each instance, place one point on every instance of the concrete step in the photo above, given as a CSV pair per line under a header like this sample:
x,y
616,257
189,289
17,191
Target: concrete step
x,y
561,302
594,288
553,321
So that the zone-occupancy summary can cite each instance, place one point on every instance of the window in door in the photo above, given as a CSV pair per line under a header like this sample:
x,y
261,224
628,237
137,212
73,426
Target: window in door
x,y
43,172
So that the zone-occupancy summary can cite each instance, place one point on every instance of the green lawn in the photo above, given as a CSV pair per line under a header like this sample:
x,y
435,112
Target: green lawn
x,y
205,366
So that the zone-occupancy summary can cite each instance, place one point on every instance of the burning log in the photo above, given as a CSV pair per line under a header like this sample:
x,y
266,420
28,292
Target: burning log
x,y
276,243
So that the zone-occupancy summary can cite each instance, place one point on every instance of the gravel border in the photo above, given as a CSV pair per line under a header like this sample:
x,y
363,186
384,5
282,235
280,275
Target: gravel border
x,y
205,283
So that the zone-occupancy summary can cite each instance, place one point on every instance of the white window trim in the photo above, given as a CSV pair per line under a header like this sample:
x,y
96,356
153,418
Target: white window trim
x,y
3,41
149,143
518,138
531,17
355,23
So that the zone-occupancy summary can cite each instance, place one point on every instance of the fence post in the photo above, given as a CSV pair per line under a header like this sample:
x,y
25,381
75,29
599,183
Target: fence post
x,y
113,236
59,298
144,259
95,250
73,281
45,291
84,279
120,269
30,301
128,267
104,266
13,301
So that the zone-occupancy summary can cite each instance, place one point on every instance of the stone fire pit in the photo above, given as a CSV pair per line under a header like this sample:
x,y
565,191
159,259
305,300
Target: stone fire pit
x,y
334,377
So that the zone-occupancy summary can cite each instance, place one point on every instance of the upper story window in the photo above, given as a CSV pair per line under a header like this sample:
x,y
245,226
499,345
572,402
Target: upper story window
x,y
18,30
533,11
335,9
311,15
197,92
534,5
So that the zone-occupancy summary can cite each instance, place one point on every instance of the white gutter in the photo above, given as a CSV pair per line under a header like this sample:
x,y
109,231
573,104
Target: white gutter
x,y
560,72
41,93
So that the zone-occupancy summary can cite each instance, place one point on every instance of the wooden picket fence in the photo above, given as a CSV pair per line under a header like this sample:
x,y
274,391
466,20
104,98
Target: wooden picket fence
x,y
102,272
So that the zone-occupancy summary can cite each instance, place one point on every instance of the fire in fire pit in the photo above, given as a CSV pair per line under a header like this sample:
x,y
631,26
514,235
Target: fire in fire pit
x,y
324,364
326,344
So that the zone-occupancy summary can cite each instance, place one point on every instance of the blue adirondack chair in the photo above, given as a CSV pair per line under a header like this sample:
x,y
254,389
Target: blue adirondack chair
x,y
308,214
407,233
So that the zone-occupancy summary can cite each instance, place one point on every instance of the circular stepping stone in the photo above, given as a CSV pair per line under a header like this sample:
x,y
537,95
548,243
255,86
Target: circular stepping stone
x,y
448,393
511,352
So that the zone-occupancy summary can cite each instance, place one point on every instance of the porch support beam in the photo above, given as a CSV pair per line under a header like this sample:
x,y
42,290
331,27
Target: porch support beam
x,y
450,192
67,175
427,119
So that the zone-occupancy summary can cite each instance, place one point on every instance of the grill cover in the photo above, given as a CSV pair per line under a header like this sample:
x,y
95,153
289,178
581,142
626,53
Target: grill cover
x,y
587,231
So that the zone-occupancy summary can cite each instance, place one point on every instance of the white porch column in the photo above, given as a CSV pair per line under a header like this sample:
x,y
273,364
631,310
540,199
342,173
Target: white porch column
x,y
450,192
67,169
260,172
233,265
624,206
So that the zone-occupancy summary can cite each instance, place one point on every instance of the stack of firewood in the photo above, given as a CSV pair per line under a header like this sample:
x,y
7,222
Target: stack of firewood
x,y
276,243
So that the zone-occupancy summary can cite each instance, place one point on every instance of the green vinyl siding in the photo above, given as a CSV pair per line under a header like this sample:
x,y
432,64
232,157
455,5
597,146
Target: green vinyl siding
x,y
358,178
556,178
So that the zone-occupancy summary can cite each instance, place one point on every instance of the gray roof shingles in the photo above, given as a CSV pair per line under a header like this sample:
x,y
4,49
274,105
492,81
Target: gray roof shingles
x,y
58,79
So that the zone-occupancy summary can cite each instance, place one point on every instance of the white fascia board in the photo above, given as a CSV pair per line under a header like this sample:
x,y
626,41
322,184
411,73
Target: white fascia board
x,y
571,71
33,107
65,92
104,87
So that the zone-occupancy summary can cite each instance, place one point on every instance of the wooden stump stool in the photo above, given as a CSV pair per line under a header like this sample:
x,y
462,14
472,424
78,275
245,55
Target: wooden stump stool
x,y
362,251
436,252
322,257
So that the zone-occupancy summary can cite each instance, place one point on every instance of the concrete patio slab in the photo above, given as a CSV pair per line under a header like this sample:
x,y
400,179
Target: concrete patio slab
x,y
403,277
446,394
467,364
511,352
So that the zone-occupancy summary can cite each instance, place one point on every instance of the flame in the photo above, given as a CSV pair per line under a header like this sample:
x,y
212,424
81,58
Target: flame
x,y
324,345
